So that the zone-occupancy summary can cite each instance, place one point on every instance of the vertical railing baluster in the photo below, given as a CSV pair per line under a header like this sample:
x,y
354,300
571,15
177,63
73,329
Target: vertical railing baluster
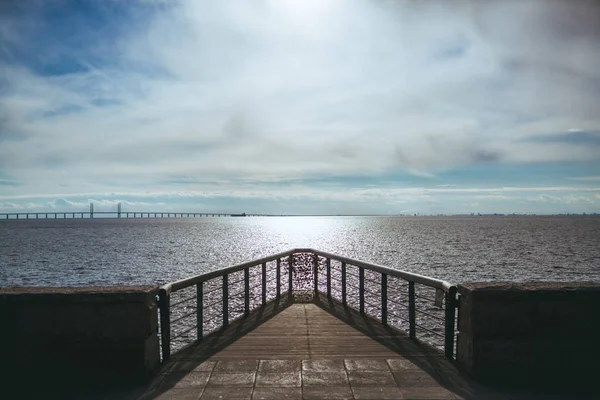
x,y
450,313
411,310
361,289
343,283
199,311
316,272
278,278
164,303
328,277
225,300
290,277
247,290
384,302
264,283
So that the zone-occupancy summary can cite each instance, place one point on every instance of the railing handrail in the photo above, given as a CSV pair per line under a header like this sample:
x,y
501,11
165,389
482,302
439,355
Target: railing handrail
x,y
445,289
186,282
407,276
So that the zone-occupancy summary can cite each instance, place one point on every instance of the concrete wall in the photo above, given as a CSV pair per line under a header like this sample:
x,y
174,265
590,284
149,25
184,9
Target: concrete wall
x,y
59,337
530,334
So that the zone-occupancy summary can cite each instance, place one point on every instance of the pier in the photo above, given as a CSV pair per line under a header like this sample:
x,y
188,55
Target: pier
x,y
116,214
306,324
316,350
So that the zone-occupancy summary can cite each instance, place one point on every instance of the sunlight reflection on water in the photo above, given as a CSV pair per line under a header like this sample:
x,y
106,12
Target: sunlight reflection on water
x,y
150,251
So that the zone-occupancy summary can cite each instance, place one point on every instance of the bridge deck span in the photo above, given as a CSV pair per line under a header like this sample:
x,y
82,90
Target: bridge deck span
x,y
114,214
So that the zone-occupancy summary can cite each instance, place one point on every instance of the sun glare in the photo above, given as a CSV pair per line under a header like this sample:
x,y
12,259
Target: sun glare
x,y
300,9
300,231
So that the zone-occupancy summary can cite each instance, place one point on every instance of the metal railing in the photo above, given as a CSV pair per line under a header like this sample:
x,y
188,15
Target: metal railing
x,y
422,307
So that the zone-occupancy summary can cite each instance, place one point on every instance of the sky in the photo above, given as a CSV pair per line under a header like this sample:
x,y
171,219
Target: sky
x,y
300,106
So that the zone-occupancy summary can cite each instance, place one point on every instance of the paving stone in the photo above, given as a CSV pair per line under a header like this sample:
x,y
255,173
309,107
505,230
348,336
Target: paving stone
x,y
415,378
185,380
442,364
191,365
377,393
166,367
277,393
236,365
371,378
244,379
429,393
366,365
401,364
323,366
324,379
179,394
153,386
229,393
278,379
327,393
464,386
280,366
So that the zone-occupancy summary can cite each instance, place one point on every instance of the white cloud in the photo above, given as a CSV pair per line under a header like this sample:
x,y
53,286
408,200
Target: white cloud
x,y
568,199
274,91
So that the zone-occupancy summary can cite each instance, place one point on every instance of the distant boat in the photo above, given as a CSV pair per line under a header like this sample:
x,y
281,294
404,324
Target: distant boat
x,y
239,215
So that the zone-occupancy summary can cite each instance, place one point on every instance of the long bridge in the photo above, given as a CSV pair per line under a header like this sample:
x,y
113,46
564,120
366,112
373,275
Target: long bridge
x,y
116,214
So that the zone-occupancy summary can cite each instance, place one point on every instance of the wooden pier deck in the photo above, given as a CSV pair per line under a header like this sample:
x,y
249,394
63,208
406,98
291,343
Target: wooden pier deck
x,y
314,351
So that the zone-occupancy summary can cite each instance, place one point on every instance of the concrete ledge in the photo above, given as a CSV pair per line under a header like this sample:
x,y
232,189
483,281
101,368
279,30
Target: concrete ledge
x,y
529,334
103,336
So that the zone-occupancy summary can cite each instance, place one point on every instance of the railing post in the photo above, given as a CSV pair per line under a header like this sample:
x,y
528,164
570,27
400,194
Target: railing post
x,y
199,310
225,300
278,278
247,290
411,310
328,277
316,272
290,277
384,303
450,312
264,283
165,323
343,283
361,289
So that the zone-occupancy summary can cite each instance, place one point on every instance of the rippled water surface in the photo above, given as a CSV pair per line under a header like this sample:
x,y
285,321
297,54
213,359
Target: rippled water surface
x,y
151,251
